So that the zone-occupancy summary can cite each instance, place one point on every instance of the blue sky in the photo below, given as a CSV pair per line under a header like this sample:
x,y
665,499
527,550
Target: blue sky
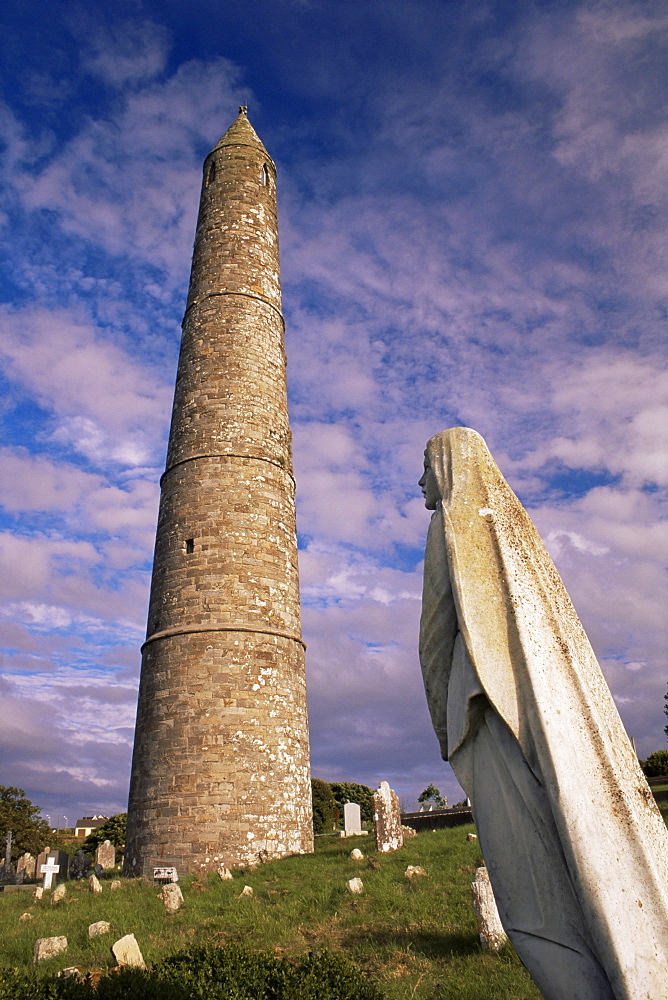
x,y
472,224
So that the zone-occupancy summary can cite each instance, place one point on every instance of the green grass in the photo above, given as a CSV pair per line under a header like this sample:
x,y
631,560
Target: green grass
x,y
416,937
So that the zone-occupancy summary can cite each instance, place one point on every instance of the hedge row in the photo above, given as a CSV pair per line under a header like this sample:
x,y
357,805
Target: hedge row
x,y
208,973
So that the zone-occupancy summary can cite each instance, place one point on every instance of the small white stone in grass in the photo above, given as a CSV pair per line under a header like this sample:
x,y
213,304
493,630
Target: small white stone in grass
x,y
355,885
99,927
414,870
48,947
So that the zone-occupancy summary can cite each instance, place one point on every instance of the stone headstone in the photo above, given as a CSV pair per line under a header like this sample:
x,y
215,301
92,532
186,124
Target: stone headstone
x,y
105,855
7,875
387,819
172,897
80,865
224,873
116,885
99,927
26,864
26,916
492,935
48,947
38,893
246,891
94,885
352,819
356,854
355,885
408,832
126,952
42,859
58,893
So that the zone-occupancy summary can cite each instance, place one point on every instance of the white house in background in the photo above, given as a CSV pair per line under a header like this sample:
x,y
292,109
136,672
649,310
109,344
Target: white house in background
x,y
85,826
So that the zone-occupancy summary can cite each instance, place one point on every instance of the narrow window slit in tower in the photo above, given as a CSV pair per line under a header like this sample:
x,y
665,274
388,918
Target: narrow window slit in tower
x,y
212,173
264,176
190,545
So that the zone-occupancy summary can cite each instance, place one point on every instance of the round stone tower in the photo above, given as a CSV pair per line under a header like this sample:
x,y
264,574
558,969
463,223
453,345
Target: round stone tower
x,y
220,770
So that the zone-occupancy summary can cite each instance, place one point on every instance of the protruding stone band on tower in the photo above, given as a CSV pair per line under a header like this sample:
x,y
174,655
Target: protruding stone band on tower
x,y
220,771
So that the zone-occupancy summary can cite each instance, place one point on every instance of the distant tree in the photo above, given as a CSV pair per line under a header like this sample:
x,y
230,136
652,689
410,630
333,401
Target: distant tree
x,y
656,764
350,791
112,829
432,794
18,814
325,813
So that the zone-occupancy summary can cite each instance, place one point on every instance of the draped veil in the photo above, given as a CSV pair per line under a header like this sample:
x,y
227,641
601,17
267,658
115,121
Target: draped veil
x,y
533,661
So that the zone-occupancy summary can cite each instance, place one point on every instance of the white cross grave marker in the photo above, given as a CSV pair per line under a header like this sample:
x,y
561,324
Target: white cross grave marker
x,y
48,871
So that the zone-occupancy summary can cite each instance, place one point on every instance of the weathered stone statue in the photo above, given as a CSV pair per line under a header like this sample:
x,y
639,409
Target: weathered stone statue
x,y
576,849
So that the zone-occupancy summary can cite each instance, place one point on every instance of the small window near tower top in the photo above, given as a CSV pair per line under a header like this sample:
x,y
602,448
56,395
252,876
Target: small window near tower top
x,y
212,173
264,176
190,545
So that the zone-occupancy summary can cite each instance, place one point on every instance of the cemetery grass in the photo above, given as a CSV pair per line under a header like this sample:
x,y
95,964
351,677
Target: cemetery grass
x,y
416,938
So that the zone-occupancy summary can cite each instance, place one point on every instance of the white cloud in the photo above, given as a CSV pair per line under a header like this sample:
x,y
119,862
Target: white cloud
x,y
107,405
133,51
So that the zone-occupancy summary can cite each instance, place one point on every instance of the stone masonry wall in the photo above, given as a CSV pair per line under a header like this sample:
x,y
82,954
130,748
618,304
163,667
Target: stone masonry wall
x,y
221,759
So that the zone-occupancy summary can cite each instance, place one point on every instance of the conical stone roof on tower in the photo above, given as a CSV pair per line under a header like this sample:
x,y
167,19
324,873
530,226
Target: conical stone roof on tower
x,y
221,765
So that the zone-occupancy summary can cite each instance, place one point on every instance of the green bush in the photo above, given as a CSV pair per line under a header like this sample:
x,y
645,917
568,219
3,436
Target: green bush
x,y
351,791
114,829
208,973
656,764
325,812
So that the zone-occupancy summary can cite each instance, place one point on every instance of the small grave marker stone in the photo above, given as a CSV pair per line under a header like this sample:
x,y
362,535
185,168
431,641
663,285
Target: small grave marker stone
x,y
99,927
58,893
8,875
352,820
387,819
105,855
80,865
48,947
27,865
490,929
126,952
172,897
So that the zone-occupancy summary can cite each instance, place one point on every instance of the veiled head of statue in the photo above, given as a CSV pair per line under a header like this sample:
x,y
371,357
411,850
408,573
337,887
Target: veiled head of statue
x,y
451,455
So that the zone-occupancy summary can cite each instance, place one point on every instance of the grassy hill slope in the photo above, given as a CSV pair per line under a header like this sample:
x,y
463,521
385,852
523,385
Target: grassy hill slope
x,y
417,938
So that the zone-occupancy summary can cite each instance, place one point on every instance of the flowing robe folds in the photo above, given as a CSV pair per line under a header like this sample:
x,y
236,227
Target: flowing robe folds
x,y
576,848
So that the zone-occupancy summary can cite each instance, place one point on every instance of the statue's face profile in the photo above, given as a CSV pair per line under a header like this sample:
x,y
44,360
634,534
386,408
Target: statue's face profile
x,y
429,486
